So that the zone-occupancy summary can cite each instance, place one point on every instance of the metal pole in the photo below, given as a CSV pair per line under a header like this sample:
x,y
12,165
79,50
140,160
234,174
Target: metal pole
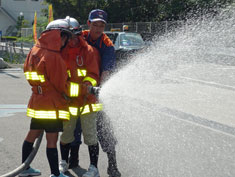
x,y
136,27
11,55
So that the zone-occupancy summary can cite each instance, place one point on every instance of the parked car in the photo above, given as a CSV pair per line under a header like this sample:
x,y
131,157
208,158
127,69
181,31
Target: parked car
x,y
125,43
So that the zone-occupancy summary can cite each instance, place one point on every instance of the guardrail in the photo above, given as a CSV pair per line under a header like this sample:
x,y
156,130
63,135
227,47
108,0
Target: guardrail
x,y
15,52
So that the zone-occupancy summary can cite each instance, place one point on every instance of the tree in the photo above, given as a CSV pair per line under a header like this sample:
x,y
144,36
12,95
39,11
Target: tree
x,y
136,10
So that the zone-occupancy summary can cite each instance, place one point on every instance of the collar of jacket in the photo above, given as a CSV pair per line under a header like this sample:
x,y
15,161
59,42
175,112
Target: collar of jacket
x,y
50,40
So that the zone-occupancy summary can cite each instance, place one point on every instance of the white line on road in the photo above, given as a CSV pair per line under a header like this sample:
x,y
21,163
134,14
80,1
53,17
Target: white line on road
x,y
210,83
7,110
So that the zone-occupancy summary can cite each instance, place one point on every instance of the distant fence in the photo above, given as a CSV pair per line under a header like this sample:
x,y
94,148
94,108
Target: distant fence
x,y
154,28
14,52
26,32
157,28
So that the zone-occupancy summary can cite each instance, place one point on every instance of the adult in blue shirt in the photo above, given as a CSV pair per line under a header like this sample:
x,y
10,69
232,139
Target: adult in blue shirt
x,y
95,36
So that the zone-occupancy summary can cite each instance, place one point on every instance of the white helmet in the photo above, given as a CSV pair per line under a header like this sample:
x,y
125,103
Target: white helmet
x,y
73,25
60,24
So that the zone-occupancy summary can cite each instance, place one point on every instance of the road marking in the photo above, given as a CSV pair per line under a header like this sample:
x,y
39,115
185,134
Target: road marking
x,y
227,129
213,84
7,110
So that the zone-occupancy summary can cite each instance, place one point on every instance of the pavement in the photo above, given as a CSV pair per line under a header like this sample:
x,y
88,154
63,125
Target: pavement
x,y
14,125
183,126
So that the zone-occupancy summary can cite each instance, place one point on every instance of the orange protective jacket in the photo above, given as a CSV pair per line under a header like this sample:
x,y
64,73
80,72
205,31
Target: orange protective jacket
x,y
46,72
83,63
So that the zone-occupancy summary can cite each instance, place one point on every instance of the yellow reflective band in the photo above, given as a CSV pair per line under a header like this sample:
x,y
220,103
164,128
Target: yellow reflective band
x,y
74,89
81,72
91,80
41,78
47,114
64,115
96,107
73,111
41,114
34,76
85,110
69,73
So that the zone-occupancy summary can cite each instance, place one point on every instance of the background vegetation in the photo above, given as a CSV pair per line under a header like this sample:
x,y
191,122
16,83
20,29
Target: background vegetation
x,y
136,10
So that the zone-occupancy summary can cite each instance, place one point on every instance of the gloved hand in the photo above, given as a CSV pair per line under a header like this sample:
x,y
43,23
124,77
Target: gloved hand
x,y
94,90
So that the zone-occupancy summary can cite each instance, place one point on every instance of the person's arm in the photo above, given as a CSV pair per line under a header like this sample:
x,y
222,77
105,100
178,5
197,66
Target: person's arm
x,y
108,62
92,64
104,76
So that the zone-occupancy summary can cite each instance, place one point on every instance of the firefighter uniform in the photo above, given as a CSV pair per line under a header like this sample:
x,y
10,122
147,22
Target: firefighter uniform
x,y
46,72
82,62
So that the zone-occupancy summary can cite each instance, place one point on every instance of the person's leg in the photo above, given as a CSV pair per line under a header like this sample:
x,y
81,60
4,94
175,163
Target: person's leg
x,y
88,123
27,148
52,153
75,145
94,154
65,140
108,142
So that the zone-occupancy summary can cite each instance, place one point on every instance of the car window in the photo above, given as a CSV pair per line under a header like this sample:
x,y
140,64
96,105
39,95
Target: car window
x,y
131,39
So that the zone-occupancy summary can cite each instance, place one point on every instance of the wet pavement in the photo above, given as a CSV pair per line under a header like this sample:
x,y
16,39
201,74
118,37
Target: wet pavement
x,y
198,101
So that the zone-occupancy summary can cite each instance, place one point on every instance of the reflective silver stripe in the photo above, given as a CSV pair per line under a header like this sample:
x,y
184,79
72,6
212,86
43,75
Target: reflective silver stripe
x,y
85,109
41,114
91,80
69,73
96,107
74,89
81,72
73,111
34,76
64,114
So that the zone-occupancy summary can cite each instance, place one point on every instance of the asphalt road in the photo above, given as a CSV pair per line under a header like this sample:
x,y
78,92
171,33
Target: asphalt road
x,y
190,133
14,125
177,124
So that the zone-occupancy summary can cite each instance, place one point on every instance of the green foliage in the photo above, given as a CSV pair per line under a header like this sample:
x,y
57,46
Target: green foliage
x,y
42,22
16,58
28,39
9,38
19,22
135,10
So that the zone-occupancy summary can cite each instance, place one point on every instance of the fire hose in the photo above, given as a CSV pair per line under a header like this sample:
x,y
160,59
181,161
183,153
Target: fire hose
x,y
28,161
23,166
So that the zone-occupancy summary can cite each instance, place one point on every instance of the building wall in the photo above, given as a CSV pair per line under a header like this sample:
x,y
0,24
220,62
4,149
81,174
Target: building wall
x,y
5,22
17,7
28,7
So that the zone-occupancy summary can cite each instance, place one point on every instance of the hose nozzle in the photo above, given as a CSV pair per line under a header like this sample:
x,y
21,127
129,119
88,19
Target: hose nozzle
x,y
94,90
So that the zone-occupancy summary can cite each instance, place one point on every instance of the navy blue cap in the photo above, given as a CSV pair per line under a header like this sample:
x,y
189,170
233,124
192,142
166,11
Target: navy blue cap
x,y
98,15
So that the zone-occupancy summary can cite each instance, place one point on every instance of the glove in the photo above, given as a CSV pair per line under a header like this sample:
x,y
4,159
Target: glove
x,y
94,90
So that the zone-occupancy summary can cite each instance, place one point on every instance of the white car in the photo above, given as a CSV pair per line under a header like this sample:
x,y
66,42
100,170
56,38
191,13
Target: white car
x,y
125,43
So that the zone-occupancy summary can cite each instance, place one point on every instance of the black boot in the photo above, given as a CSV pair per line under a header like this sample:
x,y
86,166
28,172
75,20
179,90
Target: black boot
x,y
64,150
94,154
73,159
112,167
